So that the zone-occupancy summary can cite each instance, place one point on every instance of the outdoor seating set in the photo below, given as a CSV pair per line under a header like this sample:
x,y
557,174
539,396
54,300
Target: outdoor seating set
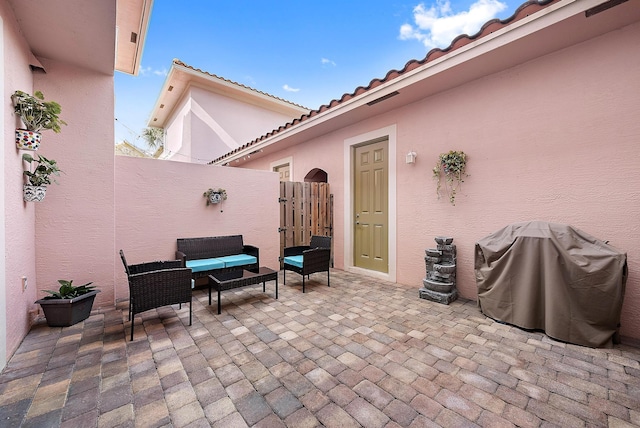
x,y
225,261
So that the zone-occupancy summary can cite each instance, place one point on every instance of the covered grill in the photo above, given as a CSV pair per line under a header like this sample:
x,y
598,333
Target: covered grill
x,y
552,277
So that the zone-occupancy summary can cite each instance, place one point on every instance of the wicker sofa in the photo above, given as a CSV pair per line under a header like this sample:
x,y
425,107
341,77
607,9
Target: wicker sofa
x,y
217,253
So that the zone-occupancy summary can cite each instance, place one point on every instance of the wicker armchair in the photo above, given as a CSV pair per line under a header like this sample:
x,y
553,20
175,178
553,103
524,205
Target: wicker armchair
x,y
308,259
156,284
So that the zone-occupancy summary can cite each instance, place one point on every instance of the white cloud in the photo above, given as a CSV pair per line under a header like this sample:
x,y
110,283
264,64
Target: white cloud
x,y
148,71
326,61
437,26
290,89
250,80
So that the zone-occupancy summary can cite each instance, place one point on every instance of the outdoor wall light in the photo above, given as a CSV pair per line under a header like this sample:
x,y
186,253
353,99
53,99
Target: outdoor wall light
x,y
411,157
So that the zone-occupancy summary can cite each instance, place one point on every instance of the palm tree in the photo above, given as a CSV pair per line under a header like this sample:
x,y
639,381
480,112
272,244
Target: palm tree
x,y
154,137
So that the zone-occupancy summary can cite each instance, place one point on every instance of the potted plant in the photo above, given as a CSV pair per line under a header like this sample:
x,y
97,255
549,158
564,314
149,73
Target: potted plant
x,y
39,177
452,165
68,305
215,196
36,115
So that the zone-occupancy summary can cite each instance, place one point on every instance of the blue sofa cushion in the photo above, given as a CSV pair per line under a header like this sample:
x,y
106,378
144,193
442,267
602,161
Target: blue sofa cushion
x,y
294,261
202,265
237,260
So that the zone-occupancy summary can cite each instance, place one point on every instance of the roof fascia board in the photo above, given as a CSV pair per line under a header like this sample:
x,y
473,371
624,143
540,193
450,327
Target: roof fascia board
x,y
265,102
128,22
526,26
142,35
516,31
236,88
224,88
165,88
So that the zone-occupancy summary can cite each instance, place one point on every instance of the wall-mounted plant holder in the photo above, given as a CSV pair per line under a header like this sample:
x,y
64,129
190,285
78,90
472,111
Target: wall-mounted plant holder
x,y
33,193
39,177
27,140
452,165
215,196
36,115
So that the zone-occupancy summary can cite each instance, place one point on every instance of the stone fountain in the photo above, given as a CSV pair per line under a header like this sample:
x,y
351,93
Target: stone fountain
x,y
440,282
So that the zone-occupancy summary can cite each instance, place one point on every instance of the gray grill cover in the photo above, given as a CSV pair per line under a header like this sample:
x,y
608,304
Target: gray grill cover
x,y
552,277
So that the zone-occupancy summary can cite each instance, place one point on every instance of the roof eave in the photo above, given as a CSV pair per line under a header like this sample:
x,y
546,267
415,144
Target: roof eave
x,y
166,104
132,23
530,25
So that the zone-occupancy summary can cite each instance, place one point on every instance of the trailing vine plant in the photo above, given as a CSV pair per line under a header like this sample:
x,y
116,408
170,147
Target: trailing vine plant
x,y
452,166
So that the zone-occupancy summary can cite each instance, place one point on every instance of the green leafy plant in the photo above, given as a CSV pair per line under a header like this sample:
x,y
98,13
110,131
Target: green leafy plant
x,y
36,113
212,199
452,165
68,291
43,172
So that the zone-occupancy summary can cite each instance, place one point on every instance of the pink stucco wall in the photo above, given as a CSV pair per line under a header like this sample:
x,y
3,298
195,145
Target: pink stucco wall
x,y
74,224
160,201
19,224
67,235
554,139
206,125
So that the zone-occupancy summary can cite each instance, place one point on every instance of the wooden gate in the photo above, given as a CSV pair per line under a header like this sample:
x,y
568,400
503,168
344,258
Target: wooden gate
x,y
305,209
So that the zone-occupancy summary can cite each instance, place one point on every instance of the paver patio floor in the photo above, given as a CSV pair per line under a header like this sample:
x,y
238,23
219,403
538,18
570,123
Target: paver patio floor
x,y
363,352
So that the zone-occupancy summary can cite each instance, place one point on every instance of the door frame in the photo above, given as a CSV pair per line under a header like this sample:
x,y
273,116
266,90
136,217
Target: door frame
x,y
388,132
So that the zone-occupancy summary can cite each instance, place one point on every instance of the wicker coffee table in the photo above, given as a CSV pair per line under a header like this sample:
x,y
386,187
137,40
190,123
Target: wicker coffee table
x,y
241,278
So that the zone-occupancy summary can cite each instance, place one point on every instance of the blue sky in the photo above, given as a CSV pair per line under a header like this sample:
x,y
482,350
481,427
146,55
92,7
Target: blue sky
x,y
306,52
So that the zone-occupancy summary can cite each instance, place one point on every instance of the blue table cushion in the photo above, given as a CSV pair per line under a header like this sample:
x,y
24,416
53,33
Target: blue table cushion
x,y
238,260
294,261
202,265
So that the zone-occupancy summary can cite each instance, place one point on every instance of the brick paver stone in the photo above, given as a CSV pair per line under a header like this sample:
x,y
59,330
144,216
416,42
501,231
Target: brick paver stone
x,y
361,353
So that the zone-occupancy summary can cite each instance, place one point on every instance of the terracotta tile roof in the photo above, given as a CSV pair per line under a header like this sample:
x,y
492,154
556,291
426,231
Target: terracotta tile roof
x,y
528,8
178,62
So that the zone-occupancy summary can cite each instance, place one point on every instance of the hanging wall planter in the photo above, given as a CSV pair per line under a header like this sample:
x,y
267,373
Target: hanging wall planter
x,y
215,196
452,165
27,140
33,193
37,115
38,178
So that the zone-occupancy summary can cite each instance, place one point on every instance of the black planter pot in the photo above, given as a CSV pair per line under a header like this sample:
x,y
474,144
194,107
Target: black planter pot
x,y
66,312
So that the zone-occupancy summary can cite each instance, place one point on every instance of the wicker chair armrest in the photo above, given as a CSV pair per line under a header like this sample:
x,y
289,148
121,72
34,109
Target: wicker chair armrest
x,y
296,251
153,266
182,257
316,260
251,250
160,287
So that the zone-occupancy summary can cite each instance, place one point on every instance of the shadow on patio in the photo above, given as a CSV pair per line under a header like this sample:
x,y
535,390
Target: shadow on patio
x,y
360,353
